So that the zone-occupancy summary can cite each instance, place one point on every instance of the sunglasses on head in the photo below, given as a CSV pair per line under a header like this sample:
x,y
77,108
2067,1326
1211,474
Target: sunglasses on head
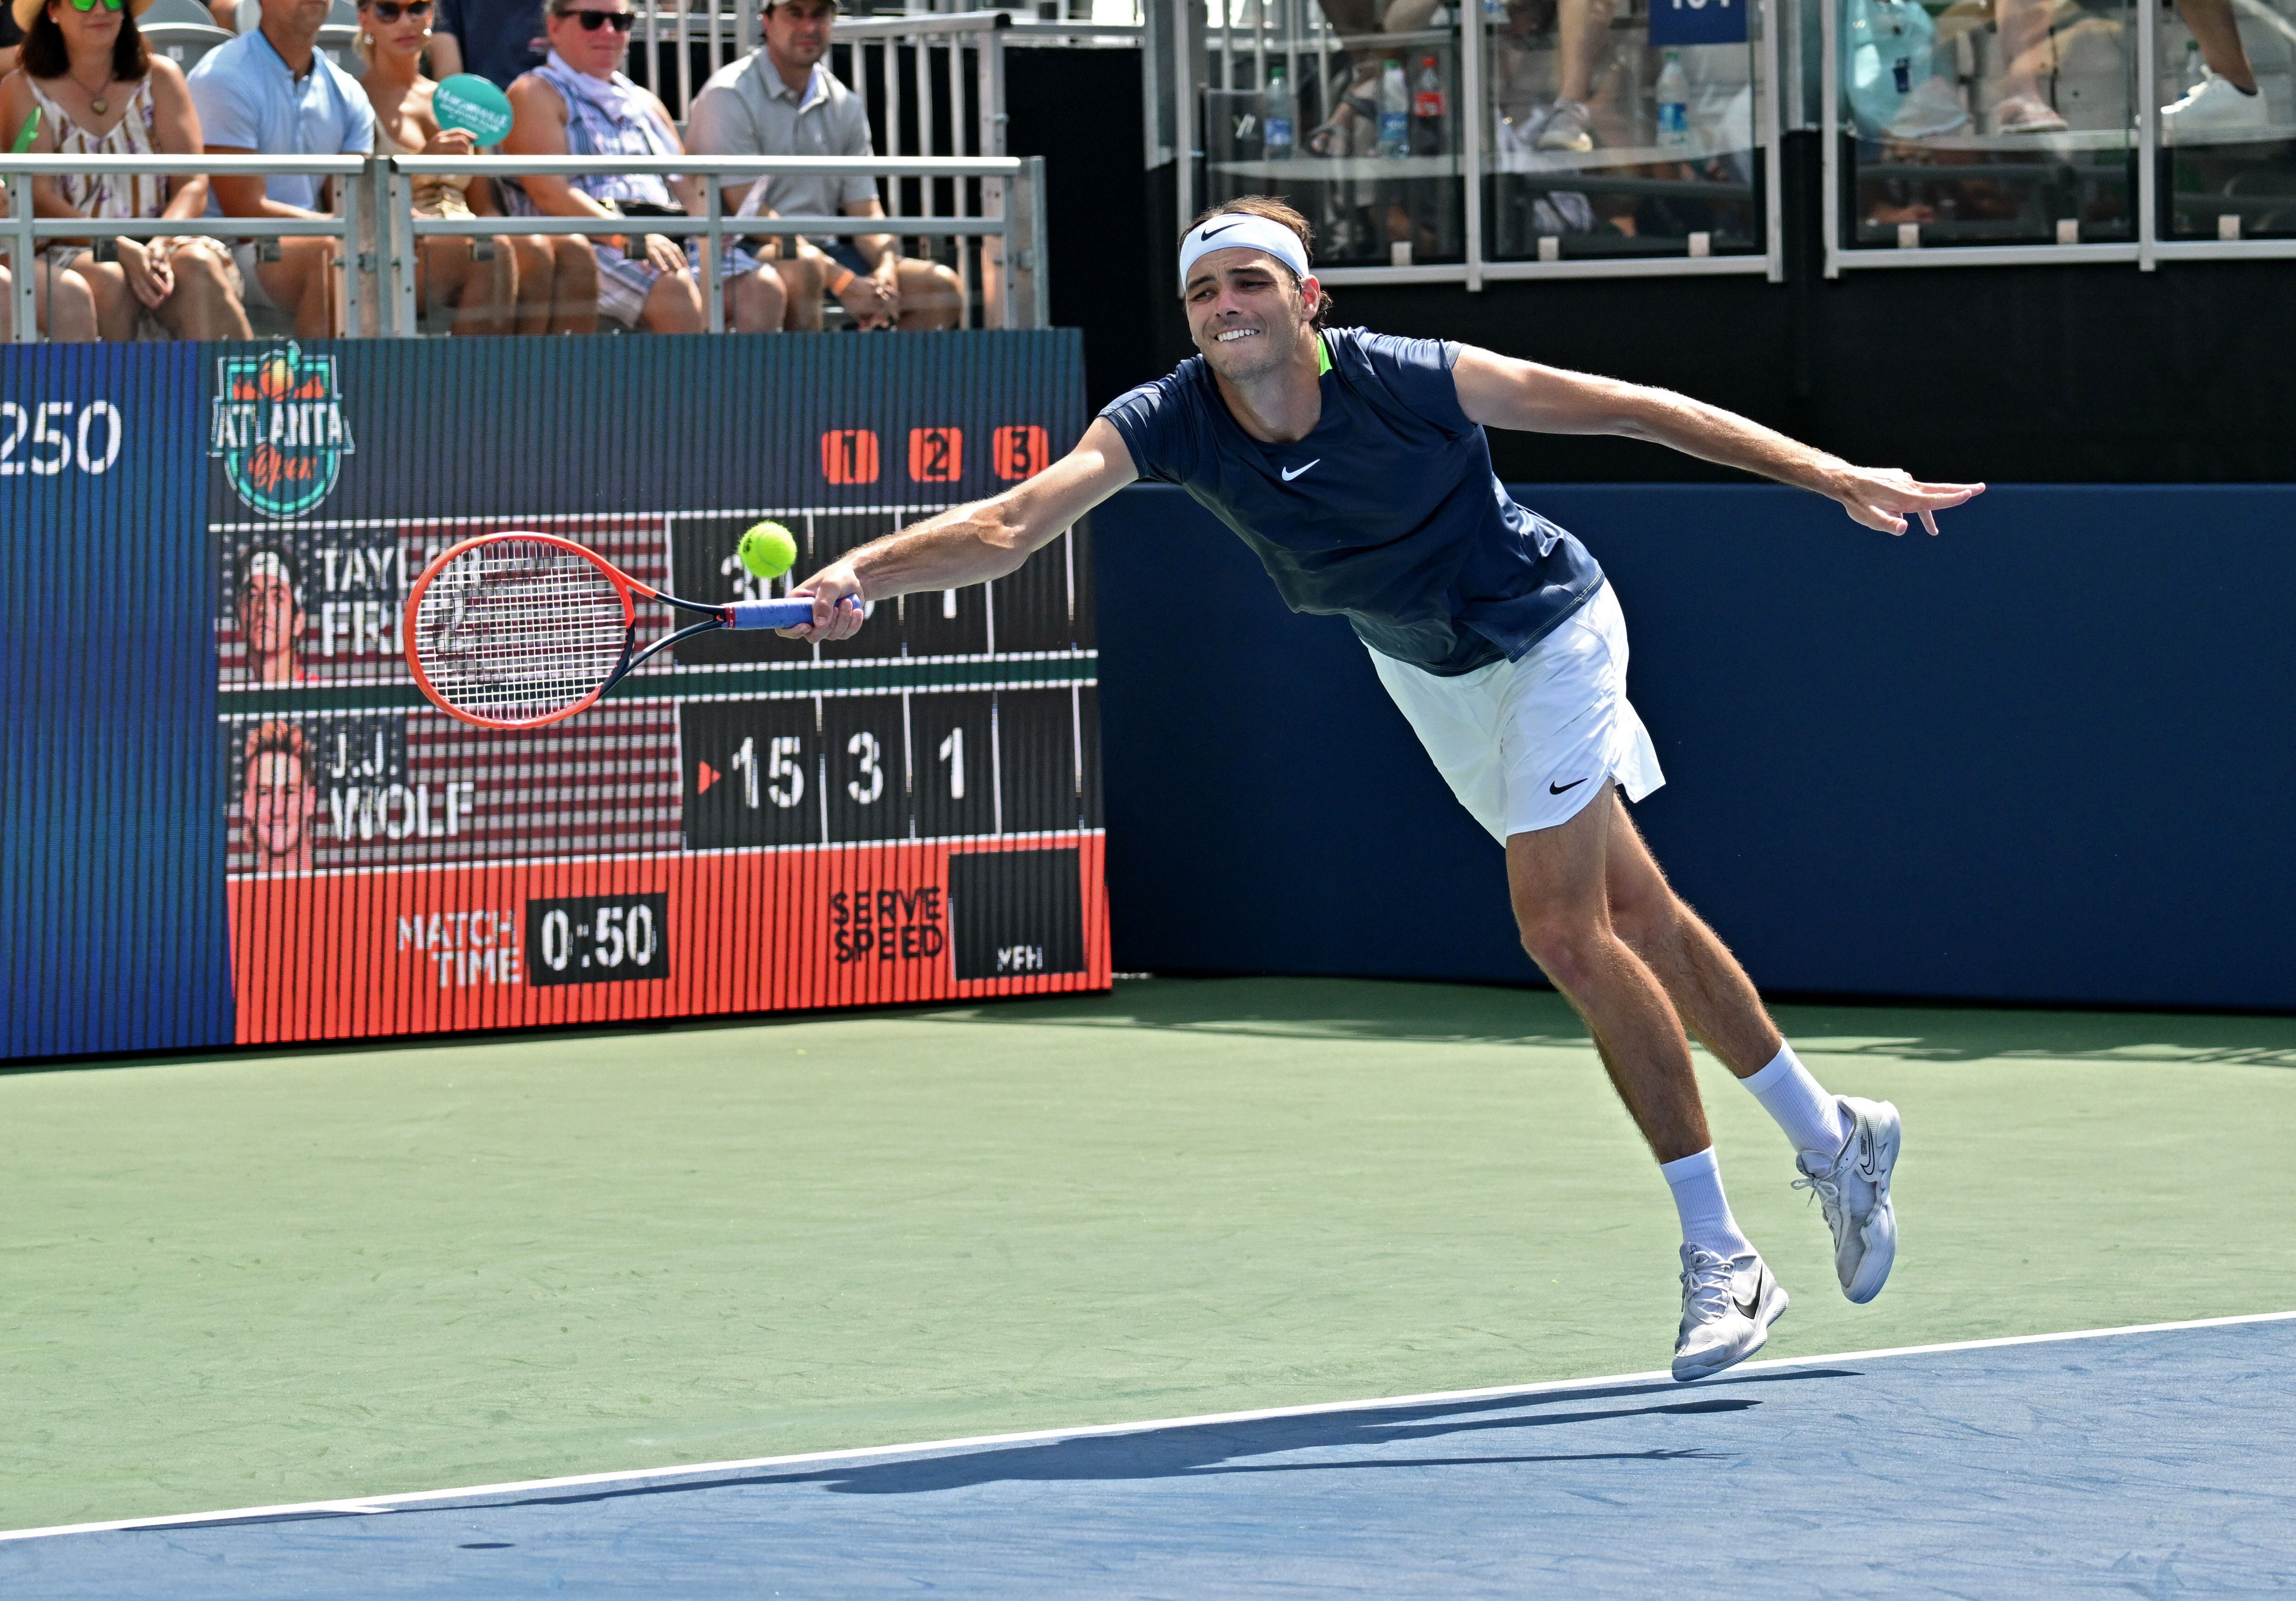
x,y
592,20
390,11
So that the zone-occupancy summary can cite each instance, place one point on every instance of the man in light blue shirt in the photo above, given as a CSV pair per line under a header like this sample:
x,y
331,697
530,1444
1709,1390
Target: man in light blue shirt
x,y
272,93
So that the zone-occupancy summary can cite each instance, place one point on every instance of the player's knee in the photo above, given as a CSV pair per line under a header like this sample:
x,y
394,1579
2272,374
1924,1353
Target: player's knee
x,y
1567,949
1644,920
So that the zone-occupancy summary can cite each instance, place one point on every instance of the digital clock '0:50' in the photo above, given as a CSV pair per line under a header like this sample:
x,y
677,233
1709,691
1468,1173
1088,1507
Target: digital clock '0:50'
x,y
599,939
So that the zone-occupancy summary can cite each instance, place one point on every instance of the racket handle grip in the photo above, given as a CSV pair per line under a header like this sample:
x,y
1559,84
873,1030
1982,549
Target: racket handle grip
x,y
769,614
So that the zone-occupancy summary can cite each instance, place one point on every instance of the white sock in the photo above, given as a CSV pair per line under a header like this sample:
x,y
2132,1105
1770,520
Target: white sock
x,y
1811,1118
1696,1181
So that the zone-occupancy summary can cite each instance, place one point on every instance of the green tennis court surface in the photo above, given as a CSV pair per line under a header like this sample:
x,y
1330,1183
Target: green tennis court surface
x,y
273,1279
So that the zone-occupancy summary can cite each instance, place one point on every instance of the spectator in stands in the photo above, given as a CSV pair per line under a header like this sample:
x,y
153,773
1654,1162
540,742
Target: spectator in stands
x,y
500,40
781,100
271,92
475,276
578,103
278,803
98,92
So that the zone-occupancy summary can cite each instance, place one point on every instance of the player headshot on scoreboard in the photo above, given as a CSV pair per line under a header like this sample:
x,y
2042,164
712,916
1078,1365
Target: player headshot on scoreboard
x,y
278,803
270,612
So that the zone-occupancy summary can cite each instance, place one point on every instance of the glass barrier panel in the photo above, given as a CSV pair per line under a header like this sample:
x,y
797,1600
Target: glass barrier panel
x,y
1357,130
1623,128
2227,119
1988,121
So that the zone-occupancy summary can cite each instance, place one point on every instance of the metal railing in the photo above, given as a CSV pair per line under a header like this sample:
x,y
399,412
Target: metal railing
x,y
667,41
24,233
375,216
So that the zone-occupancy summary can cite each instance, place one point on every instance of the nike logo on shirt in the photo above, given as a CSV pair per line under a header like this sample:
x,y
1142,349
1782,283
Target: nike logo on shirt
x,y
1291,473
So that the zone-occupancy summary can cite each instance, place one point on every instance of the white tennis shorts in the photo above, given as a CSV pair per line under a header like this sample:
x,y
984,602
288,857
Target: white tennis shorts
x,y
1526,744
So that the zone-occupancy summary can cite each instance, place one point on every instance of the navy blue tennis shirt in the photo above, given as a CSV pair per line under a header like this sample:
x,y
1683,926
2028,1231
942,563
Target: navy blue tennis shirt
x,y
1388,514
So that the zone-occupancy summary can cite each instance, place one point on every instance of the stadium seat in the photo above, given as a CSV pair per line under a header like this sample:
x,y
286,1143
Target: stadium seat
x,y
182,43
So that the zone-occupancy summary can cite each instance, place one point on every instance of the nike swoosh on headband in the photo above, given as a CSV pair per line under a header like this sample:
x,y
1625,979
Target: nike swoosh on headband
x,y
1216,232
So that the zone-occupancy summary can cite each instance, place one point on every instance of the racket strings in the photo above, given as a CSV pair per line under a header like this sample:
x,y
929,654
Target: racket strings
x,y
517,630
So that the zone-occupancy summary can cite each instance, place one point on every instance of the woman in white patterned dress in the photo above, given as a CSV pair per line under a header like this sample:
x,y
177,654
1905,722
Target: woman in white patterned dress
x,y
99,91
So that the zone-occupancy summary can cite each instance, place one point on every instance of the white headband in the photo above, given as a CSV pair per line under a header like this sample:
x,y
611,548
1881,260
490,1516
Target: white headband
x,y
1241,230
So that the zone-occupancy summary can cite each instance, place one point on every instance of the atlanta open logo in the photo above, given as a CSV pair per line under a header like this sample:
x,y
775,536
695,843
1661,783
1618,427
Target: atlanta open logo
x,y
279,427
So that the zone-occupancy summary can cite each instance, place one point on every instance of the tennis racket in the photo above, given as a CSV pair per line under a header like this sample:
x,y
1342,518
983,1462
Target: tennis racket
x,y
516,631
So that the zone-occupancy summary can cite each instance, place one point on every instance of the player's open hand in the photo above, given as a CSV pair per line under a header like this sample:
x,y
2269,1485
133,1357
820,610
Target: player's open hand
x,y
1880,497
838,606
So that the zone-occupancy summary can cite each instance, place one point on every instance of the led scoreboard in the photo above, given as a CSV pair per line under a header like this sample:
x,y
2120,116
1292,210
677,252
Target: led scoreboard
x,y
749,824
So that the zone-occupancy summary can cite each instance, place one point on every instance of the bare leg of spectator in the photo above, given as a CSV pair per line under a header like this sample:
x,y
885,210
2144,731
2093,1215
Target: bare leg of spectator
x,y
674,305
478,292
801,289
203,305
63,308
556,285
932,296
2212,22
116,305
574,286
537,277
1582,30
300,284
2025,52
755,302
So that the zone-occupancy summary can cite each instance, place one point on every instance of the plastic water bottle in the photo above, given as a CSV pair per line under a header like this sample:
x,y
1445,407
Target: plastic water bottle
x,y
1394,110
1427,110
1277,116
1673,103
2195,69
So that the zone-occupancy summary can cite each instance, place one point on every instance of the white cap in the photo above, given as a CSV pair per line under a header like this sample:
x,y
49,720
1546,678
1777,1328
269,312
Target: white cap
x,y
1242,230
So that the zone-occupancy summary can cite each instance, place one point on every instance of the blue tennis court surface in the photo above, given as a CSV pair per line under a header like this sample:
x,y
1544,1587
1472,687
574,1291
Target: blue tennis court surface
x,y
2148,1462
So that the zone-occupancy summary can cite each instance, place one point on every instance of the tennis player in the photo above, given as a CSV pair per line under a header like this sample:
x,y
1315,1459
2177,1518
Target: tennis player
x,y
1355,464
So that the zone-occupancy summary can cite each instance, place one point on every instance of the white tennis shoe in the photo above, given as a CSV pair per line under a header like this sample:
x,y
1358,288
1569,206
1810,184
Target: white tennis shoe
x,y
1852,1187
1728,1304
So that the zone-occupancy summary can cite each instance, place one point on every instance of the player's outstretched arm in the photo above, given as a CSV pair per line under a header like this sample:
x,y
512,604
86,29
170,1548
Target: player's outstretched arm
x,y
1499,391
970,544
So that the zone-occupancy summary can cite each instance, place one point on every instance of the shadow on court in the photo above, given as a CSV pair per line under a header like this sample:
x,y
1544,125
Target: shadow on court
x,y
1490,1014
2154,1461
1205,1450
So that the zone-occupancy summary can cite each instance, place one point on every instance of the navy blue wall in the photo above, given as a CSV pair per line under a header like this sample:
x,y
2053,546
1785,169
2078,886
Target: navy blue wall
x,y
111,894
2047,756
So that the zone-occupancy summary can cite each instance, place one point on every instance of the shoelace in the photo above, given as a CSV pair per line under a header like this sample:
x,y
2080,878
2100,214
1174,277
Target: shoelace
x,y
1706,1284
1827,1192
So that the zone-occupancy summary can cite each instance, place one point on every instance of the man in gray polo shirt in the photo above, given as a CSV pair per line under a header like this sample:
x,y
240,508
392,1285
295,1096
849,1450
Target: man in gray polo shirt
x,y
781,100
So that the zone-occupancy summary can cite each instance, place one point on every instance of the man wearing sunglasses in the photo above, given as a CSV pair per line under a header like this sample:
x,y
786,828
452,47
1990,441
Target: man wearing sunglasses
x,y
781,100
272,93
500,40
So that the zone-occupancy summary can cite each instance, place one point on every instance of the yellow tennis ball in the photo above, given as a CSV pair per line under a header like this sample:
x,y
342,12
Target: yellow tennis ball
x,y
768,550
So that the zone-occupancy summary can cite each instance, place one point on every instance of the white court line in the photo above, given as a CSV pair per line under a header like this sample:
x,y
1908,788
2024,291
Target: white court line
x,y
376,1505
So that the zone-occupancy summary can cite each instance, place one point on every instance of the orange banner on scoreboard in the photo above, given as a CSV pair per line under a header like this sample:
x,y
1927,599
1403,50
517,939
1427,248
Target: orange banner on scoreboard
x,y
362,953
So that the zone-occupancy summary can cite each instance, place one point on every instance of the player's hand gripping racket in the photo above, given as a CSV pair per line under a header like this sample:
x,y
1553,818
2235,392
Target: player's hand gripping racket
x,y
514,630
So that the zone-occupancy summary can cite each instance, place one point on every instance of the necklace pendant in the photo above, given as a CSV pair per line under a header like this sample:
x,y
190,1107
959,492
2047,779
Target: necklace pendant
x,y
95,103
